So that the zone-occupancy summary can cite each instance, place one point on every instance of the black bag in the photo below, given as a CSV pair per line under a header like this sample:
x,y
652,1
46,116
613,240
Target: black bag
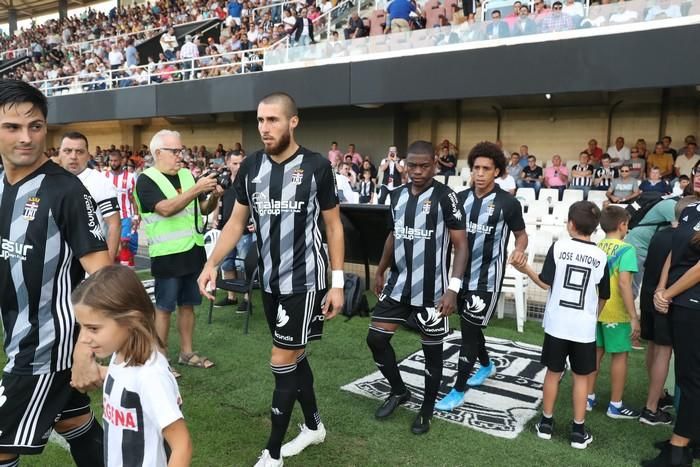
x,y
355,301
642,205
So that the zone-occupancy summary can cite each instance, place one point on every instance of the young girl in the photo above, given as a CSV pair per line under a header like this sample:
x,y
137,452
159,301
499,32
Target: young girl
x,y
366,187
140,396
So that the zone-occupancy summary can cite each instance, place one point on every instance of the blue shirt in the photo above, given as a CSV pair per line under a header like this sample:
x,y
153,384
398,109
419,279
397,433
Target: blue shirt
x,y
132,56
660,186
400,9
235,8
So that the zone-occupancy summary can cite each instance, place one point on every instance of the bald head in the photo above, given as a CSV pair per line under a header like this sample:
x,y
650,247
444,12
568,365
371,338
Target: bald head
x,y
284,100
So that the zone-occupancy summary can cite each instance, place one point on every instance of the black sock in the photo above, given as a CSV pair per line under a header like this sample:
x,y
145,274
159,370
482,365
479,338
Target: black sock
x,y
432,350
86,444
283,398
471,349
305,394
11,463
578,427
546,420
483,353
379,343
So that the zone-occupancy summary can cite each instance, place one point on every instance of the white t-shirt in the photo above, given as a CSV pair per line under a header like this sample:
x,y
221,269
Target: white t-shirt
x,y
104,194
139,402
685,165
577,273
116,58
507,183
623,154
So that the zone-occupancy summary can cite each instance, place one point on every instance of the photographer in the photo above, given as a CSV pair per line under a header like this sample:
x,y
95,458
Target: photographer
x,y
446,161
229,266
392,167
168,199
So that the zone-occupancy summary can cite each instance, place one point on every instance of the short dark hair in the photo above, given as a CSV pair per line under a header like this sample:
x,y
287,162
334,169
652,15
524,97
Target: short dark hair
x,y
334,142
683,177
14,92
495,12
489,150
611,217
585,217
531,157
75,135
421,147
605,156
582,153
668,138
285,100
235,152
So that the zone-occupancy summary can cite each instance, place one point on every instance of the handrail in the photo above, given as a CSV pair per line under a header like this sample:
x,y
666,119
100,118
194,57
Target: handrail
x,y
15,53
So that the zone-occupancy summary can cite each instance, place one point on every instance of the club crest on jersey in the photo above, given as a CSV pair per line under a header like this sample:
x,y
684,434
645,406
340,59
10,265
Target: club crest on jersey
x,y
30,208
491,209
297,176
426,206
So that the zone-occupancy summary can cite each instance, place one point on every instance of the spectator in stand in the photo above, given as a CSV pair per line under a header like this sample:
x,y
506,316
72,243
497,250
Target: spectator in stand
x,y
619,153
366,188
497,29
514,167
605,174
392,168
540,12
688,139
132,55
655,182
188,52
356,27
353,167
686,160
574,9
346,171
506,182
447,162
556,175
664,9
623,14
367,165
556,20
679,186
531,176
356,157
667,147
524,25
582,174
523,156
116,58
625,189
595,154
641,146
303,31
637,165
334,155
660,159
399,14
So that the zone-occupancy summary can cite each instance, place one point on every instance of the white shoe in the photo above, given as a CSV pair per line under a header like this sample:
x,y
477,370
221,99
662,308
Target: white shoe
x,y
304,439
266,460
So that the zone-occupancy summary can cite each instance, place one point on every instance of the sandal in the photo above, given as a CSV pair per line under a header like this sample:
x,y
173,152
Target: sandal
x,y
194,360
174,372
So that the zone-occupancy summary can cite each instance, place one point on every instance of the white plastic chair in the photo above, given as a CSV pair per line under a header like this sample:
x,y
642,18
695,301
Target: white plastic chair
x,y
571,196
552,193
439,178
465,174
596,196
210,239
514,283
526,194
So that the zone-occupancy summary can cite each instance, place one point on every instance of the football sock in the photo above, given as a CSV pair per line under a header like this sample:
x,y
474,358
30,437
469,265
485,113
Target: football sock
x,y
286,388
472,348
432,350
11,463
86,444
379,343
305,394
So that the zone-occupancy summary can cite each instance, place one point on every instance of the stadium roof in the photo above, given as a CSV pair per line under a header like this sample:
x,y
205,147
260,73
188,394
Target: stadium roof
x,y
31,8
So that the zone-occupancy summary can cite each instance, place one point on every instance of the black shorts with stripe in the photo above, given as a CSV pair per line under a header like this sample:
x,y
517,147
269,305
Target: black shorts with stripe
x,y
477,306
31,405
429,321
294,319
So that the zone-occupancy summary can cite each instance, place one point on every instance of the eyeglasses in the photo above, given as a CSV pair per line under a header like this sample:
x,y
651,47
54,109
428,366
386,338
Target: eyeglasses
x,y
175,151
624,171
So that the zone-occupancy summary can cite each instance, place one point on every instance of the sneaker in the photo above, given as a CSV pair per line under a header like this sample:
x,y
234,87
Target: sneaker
x,y
544,430
623,413
390,404
266,460
666,402
481,374
305,438
243,307
421,425
224,301
451,401
591,402
671,456
655,418
581,440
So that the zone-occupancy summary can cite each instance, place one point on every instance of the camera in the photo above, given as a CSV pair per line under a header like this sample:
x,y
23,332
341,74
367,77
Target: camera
x,y
223,176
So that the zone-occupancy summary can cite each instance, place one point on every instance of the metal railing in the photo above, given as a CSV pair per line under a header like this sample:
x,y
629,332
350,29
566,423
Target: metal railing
x,y
15,53
279,4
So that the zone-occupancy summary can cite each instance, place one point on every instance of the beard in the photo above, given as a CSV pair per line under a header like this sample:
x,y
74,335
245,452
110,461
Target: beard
x,y
281,146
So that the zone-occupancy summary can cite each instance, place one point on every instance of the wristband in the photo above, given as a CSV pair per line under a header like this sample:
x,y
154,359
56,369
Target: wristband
x,y
455,284
337,279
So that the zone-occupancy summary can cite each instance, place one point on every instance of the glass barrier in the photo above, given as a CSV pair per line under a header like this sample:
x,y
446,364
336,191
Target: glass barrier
x,y
645,14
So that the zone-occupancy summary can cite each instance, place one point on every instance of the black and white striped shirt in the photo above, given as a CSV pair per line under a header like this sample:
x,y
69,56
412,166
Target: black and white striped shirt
x,y
489,222
420,226
582,181
47,221
285,201
366,189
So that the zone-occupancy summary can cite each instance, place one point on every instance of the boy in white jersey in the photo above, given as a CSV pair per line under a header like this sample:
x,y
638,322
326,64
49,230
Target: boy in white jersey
x,y
571,271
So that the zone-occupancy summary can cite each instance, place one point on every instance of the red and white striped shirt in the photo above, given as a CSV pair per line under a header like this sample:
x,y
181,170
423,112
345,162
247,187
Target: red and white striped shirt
x,y
124,183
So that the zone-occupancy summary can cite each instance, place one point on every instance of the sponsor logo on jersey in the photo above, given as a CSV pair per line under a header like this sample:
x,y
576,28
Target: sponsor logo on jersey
x,y
30,208
297,176
402,232
430,317
426,206
119,416
474,228
454,205
274,207
14,250
93,223
282,317
476,305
